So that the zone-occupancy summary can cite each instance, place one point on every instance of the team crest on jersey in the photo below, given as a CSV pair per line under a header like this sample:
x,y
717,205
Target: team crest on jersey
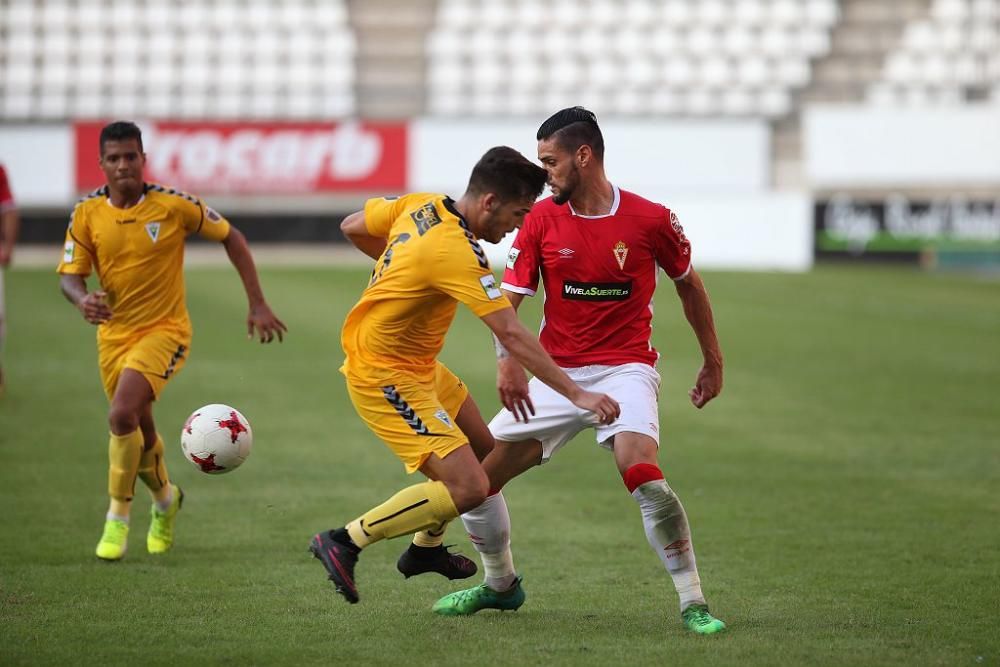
x,y
425,217
153,229
443,417
621,252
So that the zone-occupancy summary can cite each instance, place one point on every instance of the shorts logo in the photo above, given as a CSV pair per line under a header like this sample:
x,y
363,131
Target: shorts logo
x,y
68,252
425,217
489,284
404,410
443,417
153,229
621,252
597,291
512,257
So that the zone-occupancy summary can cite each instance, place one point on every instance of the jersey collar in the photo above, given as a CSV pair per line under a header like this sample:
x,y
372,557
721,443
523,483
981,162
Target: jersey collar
x,y
615,201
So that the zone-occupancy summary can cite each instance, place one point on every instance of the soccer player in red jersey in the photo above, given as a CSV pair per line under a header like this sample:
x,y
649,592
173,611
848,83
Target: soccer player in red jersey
x,y
9,223
598,250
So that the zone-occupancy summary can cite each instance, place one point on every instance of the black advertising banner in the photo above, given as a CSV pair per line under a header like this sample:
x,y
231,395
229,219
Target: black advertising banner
x,y
955,229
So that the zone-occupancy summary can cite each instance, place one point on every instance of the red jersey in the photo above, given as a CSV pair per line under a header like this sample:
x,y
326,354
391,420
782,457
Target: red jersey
x,y
600,273
6,198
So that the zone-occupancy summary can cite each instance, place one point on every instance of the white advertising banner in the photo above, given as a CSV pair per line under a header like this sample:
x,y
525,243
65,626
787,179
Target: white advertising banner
x,y
39,163
865,146
678,155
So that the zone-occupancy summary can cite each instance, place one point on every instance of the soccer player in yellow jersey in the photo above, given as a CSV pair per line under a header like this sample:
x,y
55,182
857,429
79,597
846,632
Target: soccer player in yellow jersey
x,y
429,260
131,233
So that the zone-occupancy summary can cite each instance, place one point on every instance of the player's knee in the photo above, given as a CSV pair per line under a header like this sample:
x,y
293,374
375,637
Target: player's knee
x,y
122,419
471,492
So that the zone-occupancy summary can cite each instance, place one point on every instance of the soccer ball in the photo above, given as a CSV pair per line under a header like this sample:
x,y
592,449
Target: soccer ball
x,y
216,439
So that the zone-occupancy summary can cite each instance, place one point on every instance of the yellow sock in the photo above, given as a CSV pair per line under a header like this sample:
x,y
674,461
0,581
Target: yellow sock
x,y
417,507
432,537
153,471
124,452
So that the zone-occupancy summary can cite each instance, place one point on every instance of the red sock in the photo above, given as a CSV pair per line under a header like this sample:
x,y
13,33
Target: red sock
x,y
639,474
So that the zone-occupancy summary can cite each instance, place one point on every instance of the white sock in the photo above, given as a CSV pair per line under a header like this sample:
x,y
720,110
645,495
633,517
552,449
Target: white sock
x,y
115,517
165,505
488,527
668,533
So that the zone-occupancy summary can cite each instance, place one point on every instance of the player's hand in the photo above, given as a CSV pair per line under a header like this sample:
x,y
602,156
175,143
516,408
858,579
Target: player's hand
x,y
512,385
707,386
603,406
94,307
264,324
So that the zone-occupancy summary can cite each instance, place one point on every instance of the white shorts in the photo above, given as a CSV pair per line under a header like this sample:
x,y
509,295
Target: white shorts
x,y
636,387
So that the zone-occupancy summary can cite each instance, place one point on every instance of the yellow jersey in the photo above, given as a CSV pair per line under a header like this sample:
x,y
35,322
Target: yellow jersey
x,y
432,261
138,255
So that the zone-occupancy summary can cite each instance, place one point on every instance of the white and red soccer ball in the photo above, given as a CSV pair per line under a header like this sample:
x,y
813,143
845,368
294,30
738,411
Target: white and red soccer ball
x,y
216,439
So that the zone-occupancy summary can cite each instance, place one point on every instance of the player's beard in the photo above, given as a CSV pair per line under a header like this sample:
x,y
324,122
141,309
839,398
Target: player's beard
x,y
566,191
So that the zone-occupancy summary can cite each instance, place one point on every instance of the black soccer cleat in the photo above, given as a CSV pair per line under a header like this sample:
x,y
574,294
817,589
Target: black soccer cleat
x,y
338,555
417,560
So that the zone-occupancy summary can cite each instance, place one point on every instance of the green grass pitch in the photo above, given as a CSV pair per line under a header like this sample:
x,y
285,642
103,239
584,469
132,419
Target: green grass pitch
x,y
843,491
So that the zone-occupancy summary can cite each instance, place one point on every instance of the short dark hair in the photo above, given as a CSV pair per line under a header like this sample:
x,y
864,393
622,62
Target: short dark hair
x,y
508,174
118,131
573,127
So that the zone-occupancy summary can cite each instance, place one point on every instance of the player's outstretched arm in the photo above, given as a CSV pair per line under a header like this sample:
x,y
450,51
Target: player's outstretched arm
x,y
354,228
698,310
512,381
524,347
260,319
92,305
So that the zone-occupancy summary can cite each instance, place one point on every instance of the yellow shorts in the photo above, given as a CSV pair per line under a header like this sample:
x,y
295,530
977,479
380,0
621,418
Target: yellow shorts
x,y
414,419
158,354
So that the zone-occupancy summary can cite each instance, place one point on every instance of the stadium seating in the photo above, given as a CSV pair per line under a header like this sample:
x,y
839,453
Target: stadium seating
x,y
715,57
950,56
210,59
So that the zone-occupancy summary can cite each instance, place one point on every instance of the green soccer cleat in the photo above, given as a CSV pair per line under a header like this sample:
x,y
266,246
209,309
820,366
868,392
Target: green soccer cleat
x,y
471,600
697,619
114,541
160,537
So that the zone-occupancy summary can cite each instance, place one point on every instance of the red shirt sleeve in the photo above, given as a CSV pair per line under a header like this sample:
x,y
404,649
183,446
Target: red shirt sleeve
x,y
672,249
6,198
524,259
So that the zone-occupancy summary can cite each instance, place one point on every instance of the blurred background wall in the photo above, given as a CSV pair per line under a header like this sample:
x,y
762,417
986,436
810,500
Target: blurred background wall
x,y
781,131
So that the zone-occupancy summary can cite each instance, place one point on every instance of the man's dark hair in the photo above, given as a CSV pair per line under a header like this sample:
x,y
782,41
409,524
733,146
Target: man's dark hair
x,y
572,128
119,131
508,174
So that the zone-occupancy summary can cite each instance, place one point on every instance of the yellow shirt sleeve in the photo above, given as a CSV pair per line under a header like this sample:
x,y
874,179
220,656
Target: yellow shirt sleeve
x,y
78,250
461,271
381,212
213,226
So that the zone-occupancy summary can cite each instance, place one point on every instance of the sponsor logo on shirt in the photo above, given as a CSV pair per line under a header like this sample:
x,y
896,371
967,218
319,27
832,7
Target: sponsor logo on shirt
x,y
512,257
489,284
425,217
212,215
68,251
596,291
127,221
